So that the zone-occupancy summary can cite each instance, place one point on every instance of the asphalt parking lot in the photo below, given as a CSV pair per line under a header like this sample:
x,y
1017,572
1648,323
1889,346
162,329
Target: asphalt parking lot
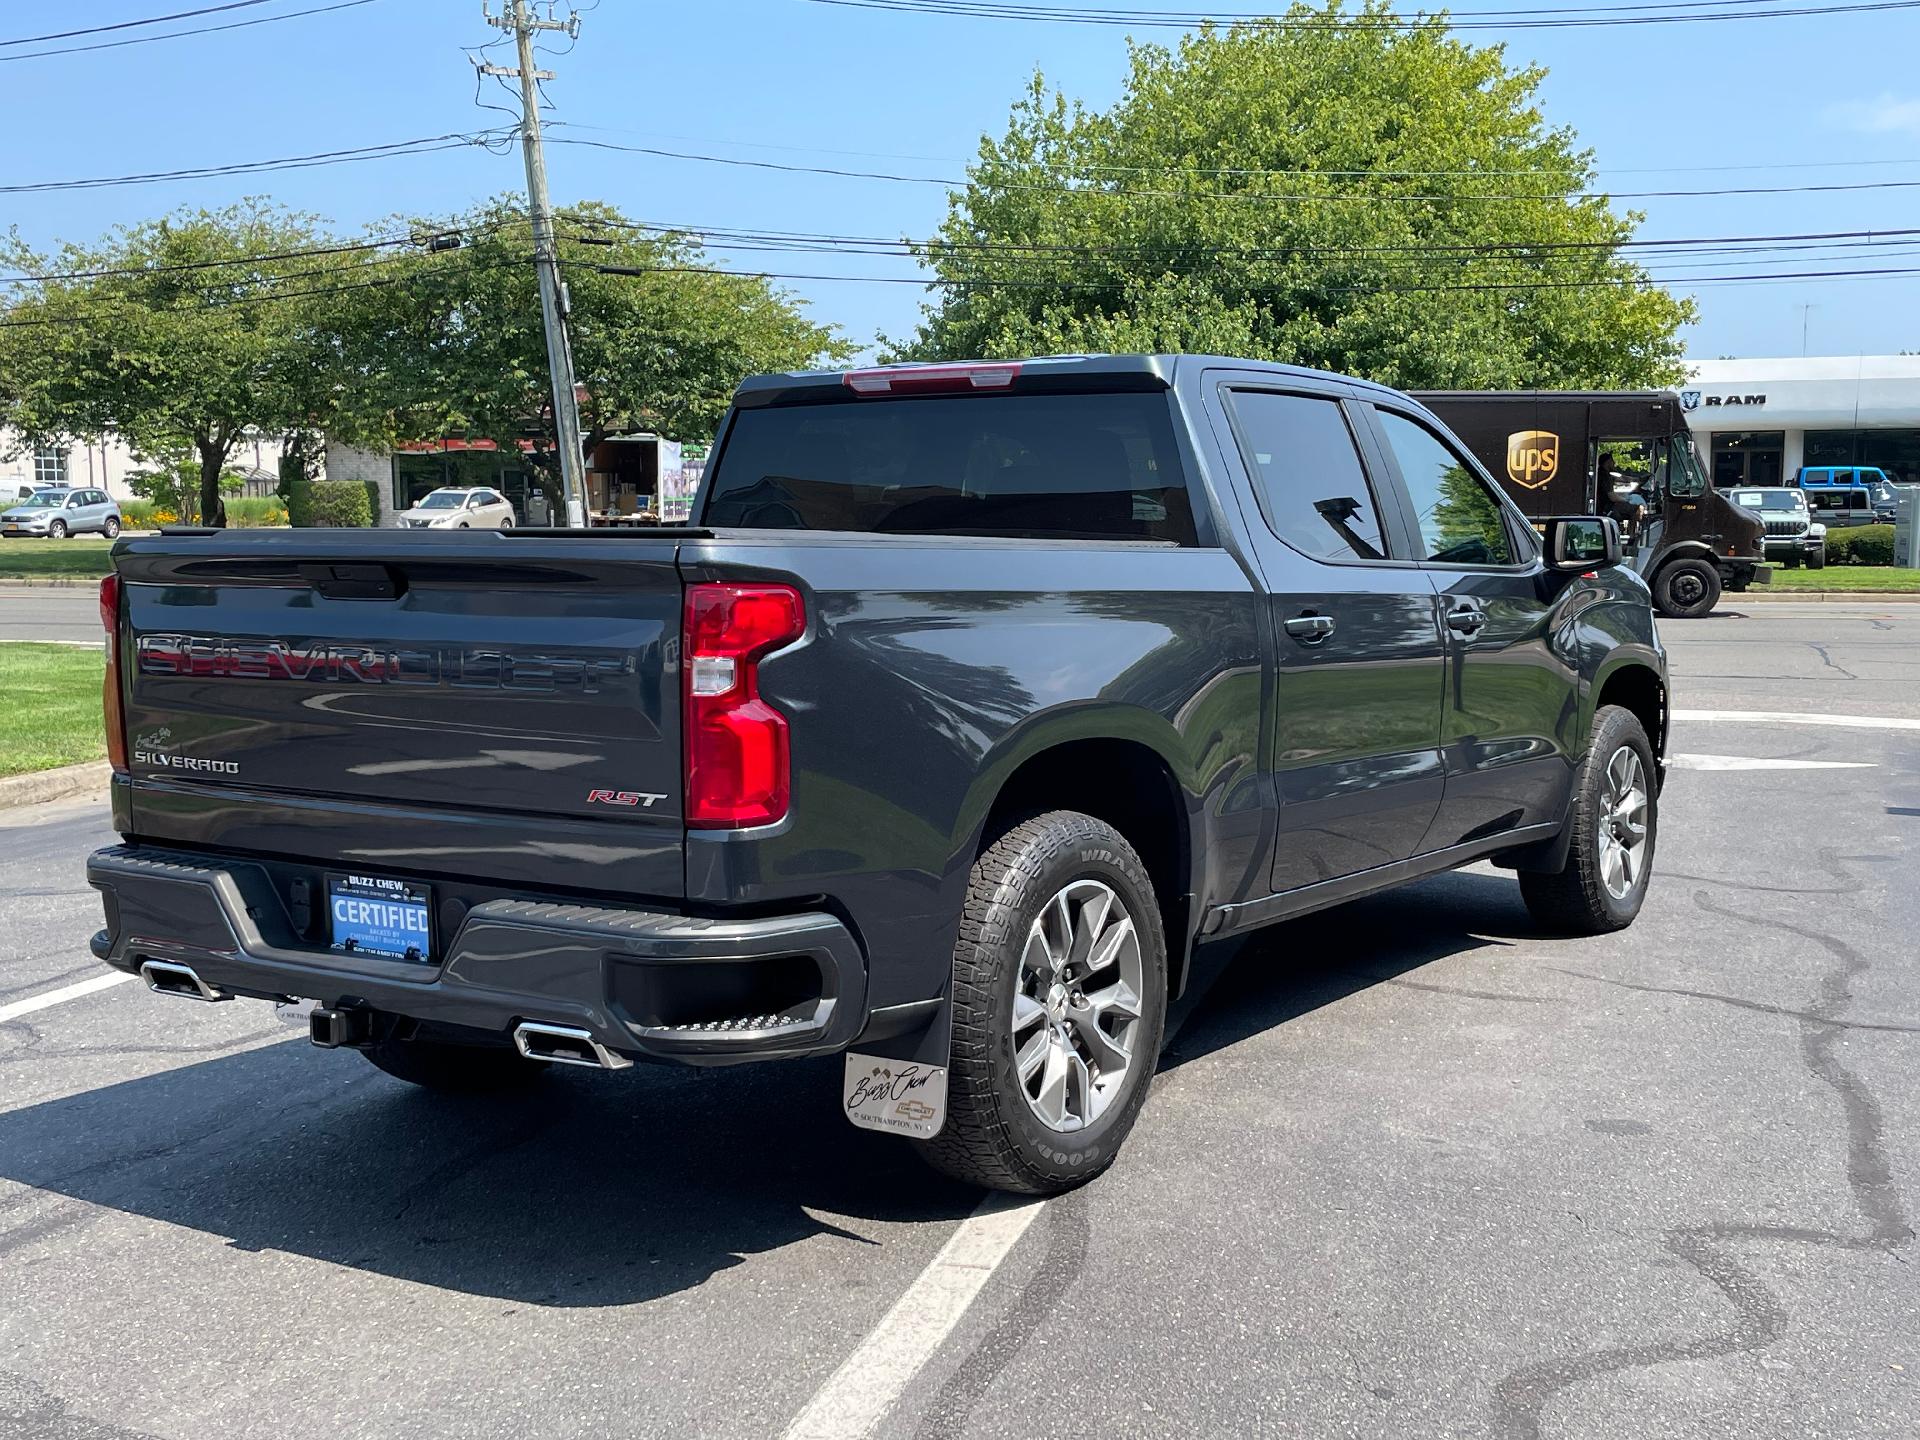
x,y
1409,1169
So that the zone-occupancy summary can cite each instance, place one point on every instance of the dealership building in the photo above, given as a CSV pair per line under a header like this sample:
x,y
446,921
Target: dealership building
x,y
1758,421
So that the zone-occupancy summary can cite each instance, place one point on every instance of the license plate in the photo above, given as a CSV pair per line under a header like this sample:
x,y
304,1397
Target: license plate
x,y
374,916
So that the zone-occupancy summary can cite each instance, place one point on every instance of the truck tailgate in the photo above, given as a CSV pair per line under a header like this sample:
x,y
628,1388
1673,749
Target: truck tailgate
x,y
499,707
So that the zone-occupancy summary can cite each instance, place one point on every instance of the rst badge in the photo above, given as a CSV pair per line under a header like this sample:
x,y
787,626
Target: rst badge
x,y
898,1096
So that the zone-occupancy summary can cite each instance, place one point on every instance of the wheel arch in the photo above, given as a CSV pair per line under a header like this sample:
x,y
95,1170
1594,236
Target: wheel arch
x,y
1120,775
1635,683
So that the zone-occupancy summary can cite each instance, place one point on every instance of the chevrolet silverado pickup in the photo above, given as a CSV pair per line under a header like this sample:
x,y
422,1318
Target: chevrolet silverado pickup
x,y
973,698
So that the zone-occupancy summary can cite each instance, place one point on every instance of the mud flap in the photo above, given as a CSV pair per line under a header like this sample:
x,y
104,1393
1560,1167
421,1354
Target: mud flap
x,y
898,1084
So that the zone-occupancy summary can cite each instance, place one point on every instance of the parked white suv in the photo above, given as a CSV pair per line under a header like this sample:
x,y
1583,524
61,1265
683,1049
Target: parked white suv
x,y
454,509
1792,534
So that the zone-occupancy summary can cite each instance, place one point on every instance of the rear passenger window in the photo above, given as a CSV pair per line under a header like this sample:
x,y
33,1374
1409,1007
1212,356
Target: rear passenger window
x,y
1062,466
1302,457
1461,522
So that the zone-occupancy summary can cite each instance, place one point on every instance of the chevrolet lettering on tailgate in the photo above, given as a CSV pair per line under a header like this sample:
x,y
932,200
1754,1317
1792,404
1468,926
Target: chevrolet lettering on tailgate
x,y
490,669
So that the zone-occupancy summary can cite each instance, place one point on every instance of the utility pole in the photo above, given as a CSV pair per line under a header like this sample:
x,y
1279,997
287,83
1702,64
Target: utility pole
x,y
523,25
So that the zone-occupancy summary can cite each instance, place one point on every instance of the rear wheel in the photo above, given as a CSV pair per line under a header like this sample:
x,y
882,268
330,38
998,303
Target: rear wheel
x,y
1615,817
57,530
507,524
1686,589
1059,1000
112,527
467,1069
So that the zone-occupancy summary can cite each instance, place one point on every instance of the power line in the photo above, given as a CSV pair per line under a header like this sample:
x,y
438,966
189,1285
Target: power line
x,y
133,24
176,34
720,236
120,305
1576,16
1244,171
425,145
1056,286
1250,197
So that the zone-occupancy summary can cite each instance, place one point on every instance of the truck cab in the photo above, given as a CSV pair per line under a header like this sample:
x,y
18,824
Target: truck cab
x,y
1625,453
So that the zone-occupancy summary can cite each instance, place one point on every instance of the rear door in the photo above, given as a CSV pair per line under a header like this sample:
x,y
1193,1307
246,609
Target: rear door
x,y
1356,745
1510,700
472,703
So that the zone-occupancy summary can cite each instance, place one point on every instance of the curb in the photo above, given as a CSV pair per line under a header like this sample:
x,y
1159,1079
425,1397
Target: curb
x,y
44,785
1815,597
53,582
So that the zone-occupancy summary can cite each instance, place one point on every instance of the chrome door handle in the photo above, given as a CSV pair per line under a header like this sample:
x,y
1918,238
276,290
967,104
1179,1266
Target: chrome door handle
x,y
1467,620
1310,629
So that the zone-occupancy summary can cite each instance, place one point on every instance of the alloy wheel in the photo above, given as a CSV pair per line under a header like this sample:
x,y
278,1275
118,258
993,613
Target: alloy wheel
x,y
1623,823
1076,1006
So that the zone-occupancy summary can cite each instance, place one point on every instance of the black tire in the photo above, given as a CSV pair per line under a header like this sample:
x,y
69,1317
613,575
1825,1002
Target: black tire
x,y
1577,899
112,527
461,1069
1686,589
994,1135
57,530
1817,559
465,526
507,524
1793,560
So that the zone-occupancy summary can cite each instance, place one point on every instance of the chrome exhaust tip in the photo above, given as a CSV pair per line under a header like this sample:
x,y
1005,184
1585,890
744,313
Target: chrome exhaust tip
x,y
565,1045
164,977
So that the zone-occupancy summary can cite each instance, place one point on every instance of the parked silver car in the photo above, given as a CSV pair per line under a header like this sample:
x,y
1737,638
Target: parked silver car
x,y
56,514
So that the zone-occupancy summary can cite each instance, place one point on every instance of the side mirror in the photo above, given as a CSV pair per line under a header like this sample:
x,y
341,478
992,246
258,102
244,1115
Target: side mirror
x,y
1577,543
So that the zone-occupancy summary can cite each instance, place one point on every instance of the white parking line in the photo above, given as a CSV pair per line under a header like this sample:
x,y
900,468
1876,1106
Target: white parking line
x,y
1796,717
62,995
1749,762
864,1389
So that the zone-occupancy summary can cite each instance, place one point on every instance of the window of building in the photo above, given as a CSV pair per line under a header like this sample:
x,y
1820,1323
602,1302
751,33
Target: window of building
x,y
1461,522
1302,458
49,465
1897,452
1749,457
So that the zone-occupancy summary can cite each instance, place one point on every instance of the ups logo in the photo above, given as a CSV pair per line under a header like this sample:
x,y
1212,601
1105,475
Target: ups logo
x,y
1533,458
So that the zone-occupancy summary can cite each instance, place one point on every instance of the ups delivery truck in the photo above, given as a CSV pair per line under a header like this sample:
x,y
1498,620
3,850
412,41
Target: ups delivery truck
x,y
1626,453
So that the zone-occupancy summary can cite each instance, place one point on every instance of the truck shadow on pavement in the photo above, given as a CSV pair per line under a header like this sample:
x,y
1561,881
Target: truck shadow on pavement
x,y
584,1190
592,1190
1244,988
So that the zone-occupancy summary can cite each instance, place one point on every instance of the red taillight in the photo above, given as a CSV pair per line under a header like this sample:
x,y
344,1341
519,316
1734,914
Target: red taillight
x,y
739,771
925,379
110,686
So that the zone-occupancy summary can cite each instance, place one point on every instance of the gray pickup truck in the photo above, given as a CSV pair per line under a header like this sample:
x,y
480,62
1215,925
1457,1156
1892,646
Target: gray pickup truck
x,y
974,698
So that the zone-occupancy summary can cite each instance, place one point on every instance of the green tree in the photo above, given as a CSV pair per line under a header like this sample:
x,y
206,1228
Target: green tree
x,y
660,340
1360,197
175,333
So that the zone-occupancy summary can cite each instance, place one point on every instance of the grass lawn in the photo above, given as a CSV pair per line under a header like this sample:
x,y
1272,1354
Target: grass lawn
x,y
49,707
1879,579
79,558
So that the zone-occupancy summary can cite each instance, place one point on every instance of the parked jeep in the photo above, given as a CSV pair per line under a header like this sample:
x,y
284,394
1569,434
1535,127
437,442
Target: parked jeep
x,y
1792,536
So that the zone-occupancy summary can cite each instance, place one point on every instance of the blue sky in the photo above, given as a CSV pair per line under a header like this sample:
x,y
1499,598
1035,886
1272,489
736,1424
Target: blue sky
x,y
789,81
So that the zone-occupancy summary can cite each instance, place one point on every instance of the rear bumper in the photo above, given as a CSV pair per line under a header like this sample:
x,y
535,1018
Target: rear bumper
x,y
646,984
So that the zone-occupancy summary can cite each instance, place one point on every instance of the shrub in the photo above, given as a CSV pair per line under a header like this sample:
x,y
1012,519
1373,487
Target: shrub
x,y
139,514
330,502
256,511
1860,545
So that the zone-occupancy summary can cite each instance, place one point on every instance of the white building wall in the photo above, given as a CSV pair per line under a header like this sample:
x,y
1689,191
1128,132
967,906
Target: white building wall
x,y
350,462
1802,393
107,463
